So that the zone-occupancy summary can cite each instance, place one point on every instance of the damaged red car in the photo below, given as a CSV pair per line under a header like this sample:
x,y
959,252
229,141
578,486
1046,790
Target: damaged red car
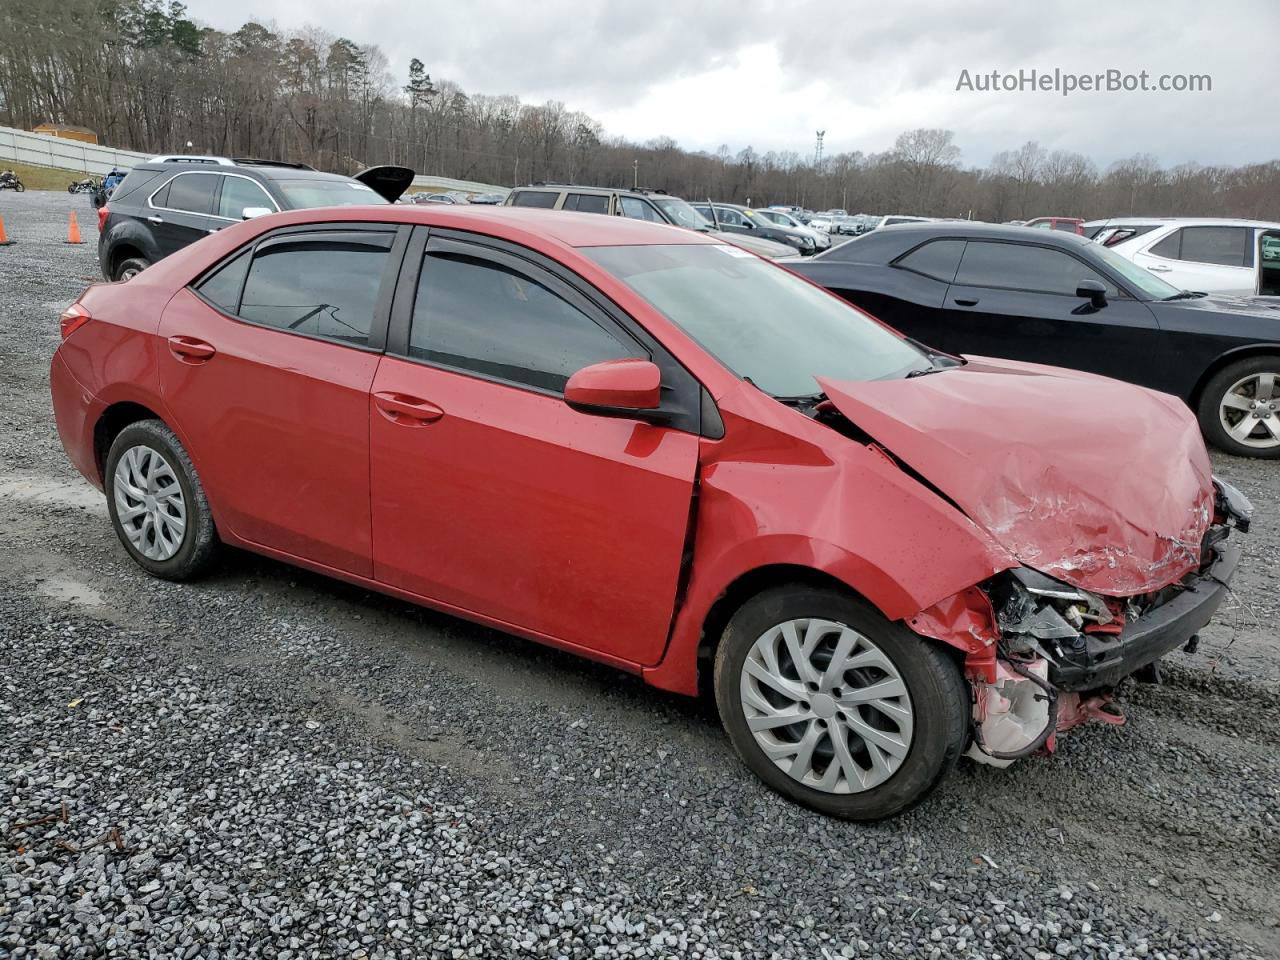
x,y
651,448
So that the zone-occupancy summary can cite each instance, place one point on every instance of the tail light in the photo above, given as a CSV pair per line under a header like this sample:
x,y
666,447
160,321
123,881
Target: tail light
x,y
102,216
73,318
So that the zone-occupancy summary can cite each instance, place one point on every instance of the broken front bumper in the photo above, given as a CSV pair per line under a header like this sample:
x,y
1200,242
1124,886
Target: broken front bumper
x,y
1109,658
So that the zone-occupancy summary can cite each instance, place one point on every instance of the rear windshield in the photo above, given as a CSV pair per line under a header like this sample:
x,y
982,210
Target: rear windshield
x,y
133,180
302,194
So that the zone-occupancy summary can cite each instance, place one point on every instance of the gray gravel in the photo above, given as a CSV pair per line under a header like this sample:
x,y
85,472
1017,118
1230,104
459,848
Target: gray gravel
x,y
271,764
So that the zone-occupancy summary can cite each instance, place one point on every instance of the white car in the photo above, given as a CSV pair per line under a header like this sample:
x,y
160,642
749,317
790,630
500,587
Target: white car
x,y
819,225
821,238
1203,255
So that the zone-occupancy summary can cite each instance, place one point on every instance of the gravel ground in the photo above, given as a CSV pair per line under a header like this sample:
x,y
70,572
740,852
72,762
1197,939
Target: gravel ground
x,y
270,764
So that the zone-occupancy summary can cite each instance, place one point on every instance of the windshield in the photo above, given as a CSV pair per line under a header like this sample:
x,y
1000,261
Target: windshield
x,y
759,320
681,214
303,194
1150,286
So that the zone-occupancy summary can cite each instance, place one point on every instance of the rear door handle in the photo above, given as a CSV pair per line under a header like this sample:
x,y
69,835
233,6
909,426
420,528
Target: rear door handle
x,y
966,302
1159,268
407,410
191,350
155,219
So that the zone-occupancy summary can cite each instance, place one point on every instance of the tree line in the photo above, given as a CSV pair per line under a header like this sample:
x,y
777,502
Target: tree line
x,y
144,76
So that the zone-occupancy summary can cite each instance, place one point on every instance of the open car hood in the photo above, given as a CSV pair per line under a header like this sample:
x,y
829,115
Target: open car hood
x,y
1099,483
387,182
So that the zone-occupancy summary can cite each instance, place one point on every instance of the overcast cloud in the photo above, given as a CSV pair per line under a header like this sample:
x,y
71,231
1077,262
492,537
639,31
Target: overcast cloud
x,y
768,74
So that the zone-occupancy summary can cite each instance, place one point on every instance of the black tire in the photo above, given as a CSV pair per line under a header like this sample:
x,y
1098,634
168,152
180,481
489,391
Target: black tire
x,y
20,187
72,189
199,539
938,692
134,264
1214,392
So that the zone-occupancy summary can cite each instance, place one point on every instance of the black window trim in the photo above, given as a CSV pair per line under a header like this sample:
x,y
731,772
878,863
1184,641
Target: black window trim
x,y
682,403
1124,291
399,235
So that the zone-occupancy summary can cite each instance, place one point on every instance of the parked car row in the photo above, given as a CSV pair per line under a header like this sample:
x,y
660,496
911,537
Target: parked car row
x,y
658,206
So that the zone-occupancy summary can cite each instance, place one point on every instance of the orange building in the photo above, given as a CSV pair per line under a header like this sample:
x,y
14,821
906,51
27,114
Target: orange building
x,y
67,132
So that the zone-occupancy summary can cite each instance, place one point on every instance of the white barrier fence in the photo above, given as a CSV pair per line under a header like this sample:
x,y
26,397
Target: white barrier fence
x,y
36,149
20,146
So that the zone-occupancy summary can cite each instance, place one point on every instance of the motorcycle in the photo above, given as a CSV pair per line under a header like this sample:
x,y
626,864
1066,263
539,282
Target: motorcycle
x,y
10,181
87,185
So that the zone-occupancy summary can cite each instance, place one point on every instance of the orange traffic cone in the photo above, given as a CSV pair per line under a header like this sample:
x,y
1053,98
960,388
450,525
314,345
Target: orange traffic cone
x,y
73,229
4,240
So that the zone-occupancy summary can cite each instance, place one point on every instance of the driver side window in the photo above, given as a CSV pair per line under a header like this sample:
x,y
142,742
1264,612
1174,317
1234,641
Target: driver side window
x,y
1016,266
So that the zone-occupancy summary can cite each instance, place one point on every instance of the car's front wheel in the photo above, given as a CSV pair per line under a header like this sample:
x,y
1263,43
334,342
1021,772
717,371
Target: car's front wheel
x,y
1240,408
156,502
835,707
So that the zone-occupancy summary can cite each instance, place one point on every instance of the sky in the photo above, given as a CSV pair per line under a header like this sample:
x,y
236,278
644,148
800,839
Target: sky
x,y
770,73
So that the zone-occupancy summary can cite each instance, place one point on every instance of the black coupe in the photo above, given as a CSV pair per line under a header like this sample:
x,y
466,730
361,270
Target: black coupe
x,y
1061,299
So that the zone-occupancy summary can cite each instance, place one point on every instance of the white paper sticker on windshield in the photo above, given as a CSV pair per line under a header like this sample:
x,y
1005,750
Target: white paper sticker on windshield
x,y
733,251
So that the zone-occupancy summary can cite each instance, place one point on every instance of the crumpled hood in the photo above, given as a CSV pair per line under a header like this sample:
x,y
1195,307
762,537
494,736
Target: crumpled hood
x,y
1099,483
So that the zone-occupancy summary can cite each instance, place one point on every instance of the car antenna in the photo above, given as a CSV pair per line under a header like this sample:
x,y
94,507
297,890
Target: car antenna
x,y
712,207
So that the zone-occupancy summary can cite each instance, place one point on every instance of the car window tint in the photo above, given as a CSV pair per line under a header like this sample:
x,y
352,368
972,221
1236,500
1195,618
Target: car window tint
x,y
239,193
1066,225
1169,246
480,316
1221,245
1022,267
318,287
587,203
161,196
535,198
637,209
192,192
729,216
938,259
222,287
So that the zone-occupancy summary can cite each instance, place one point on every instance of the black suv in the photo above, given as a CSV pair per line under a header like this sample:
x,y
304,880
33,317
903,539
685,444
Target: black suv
x,y
169,202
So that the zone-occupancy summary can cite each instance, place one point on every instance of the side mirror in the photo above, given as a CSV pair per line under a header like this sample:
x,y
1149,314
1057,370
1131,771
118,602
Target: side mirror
x,y
615,387
1094,292
248,213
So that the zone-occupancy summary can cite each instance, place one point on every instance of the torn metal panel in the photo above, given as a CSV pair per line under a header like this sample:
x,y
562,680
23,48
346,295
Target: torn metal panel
x,y
1098,483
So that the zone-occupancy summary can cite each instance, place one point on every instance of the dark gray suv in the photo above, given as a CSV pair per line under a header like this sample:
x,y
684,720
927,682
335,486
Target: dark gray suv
x,y
169,202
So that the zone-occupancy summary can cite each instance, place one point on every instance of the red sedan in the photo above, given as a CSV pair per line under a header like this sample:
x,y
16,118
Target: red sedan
x,y
654,449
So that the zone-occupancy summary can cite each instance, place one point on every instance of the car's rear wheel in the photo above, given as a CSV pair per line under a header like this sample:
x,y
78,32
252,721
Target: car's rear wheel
x,y
131,267
835,707
156,502
1240,408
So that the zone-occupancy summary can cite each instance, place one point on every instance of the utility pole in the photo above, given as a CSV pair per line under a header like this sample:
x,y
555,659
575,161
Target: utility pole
x,y
817,151
635,171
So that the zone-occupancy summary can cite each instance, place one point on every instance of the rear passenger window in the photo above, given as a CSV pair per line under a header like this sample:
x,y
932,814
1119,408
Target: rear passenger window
x,y
192,192
323,288
640,210
1169,246
1224,246
586,203
477,315
535,198
222,288
938,259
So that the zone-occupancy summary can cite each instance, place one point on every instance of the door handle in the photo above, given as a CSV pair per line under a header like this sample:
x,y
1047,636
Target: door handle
x,y
1159,268
214,229
154,219
407,410
190,350
966,302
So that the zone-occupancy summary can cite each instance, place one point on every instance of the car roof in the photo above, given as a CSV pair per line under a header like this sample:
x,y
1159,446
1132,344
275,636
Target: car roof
x,y
1183,222
263,171
886,243
519,224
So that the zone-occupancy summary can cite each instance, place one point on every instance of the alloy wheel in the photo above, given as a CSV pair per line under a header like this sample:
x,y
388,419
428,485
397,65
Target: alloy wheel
x,y
1250,411
826,705
149,503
